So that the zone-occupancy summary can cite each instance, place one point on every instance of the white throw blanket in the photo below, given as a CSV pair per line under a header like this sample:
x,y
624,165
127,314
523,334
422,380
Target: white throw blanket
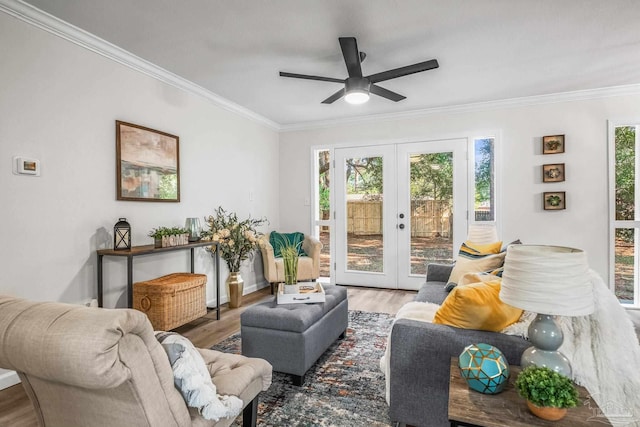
x,y
605,356
422,311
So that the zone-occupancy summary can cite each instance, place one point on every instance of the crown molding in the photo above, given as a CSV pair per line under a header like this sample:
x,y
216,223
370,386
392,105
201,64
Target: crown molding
x,y
47,22
579,95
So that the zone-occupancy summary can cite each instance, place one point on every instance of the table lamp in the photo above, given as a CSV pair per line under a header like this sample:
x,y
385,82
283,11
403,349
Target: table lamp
x,y
551,281
482,233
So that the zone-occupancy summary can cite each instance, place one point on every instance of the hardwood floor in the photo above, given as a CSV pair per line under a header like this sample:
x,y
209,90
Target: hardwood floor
x,y
16,409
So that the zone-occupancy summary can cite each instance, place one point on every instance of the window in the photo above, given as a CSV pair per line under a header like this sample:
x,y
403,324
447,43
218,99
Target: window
x,y
484,202
624,210
322,211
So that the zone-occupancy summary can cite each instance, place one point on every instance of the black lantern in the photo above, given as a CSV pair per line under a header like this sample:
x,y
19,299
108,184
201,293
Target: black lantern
x,y
121,235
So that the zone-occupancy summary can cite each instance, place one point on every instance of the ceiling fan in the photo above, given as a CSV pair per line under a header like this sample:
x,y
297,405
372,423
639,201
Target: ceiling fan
x,y
357,87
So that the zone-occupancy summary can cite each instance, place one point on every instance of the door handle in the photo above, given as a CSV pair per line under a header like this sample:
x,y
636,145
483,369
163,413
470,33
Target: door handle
x,y
401,226
401,216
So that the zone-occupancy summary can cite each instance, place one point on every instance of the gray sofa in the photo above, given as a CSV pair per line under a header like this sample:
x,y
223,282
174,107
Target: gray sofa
x,y
421,355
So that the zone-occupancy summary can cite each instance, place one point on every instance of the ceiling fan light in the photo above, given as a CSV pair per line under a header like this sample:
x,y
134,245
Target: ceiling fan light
x,y
356,97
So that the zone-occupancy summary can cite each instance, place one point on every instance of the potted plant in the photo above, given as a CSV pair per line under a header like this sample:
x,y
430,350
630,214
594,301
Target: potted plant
x,y
237,241
548,393
169,236
290,261
290,253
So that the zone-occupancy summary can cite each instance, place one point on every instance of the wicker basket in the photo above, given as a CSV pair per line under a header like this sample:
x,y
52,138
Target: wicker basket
x,y
172,300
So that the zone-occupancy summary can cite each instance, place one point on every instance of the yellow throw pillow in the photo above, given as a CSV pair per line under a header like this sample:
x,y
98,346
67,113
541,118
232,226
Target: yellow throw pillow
x,y
477,306
472,278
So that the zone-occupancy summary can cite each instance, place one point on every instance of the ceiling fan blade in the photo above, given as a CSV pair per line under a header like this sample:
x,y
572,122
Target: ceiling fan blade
x,y
351,56
385,93
333,98
305,76
403,71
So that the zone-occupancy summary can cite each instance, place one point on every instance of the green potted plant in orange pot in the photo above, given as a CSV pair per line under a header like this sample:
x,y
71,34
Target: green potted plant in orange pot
x,y
548,393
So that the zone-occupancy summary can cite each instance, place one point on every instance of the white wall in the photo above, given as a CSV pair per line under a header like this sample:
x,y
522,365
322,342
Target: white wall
x,y
583,224
59,103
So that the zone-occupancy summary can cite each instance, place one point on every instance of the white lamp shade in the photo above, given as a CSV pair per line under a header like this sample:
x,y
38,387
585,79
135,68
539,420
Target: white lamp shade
x,y
482,233
550,280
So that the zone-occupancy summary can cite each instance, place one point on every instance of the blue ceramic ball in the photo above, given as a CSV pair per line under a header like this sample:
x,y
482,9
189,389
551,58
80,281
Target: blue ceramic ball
x,y
484,367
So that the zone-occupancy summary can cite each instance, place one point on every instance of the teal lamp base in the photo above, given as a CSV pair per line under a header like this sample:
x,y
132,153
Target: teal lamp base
x,y
546,337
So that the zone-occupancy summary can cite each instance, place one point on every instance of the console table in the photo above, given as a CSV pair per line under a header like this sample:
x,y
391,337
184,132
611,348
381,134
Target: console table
x,y
152,250
507,409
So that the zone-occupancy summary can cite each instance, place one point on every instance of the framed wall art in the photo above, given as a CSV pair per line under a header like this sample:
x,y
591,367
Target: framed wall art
x,y
553,172
147,164
554,201
553,144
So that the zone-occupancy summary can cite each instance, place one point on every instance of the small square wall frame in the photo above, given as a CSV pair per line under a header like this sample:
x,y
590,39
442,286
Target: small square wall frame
x,y
553,172
553,144
554,200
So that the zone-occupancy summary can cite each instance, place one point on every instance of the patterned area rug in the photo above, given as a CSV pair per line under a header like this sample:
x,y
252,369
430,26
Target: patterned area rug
x,y
344,388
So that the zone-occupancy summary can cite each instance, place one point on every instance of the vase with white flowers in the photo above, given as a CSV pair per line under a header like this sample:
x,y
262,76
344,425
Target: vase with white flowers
x,y
237,241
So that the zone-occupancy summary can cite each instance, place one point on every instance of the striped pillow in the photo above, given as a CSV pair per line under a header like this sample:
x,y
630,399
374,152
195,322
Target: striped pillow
x,y
474,258
473,250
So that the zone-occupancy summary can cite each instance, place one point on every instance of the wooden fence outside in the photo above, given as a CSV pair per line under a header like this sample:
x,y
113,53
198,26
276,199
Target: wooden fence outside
x,y
429,218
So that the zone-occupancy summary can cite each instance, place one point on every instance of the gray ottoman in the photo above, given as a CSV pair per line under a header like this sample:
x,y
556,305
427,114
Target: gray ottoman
x,y
293,336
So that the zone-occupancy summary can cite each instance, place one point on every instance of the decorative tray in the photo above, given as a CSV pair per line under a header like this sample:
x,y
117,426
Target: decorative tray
x,y
309,293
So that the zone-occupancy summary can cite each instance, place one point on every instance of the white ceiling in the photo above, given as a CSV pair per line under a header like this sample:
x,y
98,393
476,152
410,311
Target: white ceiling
x,y
487,49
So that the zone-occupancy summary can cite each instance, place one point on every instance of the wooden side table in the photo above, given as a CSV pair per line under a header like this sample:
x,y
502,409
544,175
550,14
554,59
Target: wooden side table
x,y
507,409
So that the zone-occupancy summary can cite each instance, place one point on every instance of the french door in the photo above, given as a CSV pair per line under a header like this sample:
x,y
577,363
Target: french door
x,y
398,206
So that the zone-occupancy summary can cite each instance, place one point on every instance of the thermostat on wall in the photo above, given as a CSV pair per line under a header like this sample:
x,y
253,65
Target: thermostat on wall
x,y
26,166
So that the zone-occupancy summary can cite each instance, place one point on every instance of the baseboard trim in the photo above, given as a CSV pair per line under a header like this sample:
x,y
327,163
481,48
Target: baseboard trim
x,y
8,379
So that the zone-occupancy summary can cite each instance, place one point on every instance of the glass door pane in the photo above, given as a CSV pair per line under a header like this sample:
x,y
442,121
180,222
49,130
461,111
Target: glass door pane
x,y
625,266
365,239
484,180
325,255
431,190
322,221
365,206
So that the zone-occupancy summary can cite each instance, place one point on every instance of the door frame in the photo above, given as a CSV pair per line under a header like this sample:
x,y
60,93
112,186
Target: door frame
x,y
470,136
396,271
